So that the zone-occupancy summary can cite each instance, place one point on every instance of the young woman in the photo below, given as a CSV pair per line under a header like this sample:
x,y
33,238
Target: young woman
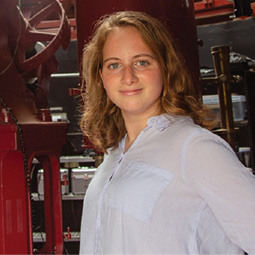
x,y
167,185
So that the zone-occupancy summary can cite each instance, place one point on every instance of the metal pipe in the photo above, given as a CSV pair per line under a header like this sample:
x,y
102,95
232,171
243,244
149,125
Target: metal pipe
x,y
222,71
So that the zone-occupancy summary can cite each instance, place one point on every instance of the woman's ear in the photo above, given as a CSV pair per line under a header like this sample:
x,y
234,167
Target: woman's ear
x,y
100,73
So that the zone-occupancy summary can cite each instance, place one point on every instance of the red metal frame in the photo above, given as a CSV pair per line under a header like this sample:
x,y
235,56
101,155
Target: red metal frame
x,y
37,135
206,11
15,205
212,11
47,150
51,26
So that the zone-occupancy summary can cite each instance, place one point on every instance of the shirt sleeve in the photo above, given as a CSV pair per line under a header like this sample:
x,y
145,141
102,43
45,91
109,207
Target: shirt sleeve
x,y
213,170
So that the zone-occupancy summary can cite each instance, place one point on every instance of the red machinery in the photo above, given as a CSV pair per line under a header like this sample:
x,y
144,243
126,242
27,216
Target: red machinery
x,y
26,129
213,11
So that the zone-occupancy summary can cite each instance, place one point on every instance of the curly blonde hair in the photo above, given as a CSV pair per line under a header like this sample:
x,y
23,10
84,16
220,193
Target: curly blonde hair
x,y
101,120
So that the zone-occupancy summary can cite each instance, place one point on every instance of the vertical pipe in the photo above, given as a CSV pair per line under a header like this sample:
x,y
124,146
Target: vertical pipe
x,y
221,65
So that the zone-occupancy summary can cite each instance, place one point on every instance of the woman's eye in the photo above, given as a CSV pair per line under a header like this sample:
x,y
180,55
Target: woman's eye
x,y
113,66
142,63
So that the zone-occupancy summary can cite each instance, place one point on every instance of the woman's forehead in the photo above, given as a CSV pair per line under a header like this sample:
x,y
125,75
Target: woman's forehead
x,y
125,38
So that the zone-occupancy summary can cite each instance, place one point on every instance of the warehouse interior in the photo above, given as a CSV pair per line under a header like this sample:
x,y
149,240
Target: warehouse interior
x,y
40,72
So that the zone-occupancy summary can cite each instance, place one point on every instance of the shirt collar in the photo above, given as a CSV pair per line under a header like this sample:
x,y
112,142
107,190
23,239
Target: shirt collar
x,y
162,121
122,143
159,122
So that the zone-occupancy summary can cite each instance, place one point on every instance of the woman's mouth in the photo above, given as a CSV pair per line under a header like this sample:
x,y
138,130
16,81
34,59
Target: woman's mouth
x,y
130,92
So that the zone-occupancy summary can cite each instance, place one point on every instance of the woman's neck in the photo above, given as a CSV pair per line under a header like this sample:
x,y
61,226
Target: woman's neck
x,y
134,125
133,130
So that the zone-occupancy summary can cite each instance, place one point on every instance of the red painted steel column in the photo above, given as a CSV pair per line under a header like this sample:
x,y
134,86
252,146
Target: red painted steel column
x,y
15,207
52,204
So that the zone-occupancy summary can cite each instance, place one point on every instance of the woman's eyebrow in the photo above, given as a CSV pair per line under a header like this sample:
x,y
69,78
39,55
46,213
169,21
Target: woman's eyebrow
x,y
134,57
110,59
144,55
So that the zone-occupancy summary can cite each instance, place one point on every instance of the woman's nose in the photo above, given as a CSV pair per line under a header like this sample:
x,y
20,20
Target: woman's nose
x,y
128,76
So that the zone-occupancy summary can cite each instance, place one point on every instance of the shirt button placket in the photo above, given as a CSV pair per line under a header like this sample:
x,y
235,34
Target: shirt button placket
x,y
100,204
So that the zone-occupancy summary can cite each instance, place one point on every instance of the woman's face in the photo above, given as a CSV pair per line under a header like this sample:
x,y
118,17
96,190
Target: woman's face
x,y
131,74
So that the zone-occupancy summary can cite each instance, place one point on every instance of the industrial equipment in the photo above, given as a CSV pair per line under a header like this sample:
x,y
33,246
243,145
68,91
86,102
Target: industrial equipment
x,y
26,129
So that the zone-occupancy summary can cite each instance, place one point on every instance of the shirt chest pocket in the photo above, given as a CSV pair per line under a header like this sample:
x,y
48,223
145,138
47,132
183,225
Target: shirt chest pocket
x,y
136,189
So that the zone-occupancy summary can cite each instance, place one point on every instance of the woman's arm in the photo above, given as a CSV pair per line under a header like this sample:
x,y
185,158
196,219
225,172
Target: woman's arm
x,y
213,170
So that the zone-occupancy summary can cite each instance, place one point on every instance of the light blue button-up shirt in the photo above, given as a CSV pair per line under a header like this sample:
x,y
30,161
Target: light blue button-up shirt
x,y
179,189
